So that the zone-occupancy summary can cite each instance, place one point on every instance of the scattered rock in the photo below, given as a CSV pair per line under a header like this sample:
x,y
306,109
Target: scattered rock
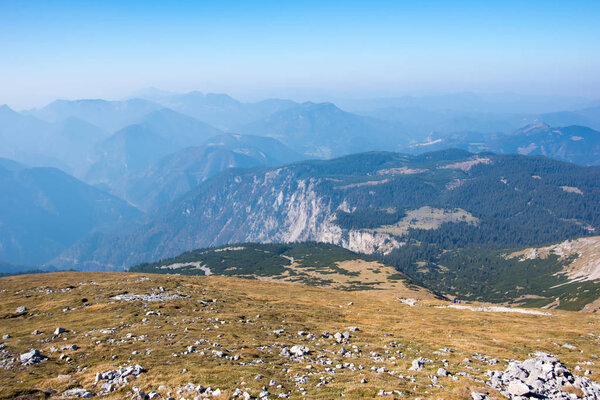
x,y
299,350
408,302
418,364
138,394
71,393
146,297
478,396
119,376
32,357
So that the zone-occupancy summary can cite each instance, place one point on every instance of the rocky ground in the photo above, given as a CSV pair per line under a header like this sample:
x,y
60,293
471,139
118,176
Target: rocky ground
x,y
72,335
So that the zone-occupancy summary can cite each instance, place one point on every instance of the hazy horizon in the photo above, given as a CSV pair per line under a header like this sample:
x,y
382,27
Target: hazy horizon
x,y
349,101
312,50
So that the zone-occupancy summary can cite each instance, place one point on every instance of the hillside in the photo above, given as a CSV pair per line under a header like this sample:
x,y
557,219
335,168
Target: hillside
x,y
43,211
315,264
559,279
368,203
581,257
580,262
565,275
233,336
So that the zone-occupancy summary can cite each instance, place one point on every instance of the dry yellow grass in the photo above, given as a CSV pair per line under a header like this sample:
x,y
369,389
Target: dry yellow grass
x,y
418,331
368,275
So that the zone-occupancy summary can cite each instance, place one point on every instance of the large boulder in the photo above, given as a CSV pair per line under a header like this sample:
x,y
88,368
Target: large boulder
x,y
32,357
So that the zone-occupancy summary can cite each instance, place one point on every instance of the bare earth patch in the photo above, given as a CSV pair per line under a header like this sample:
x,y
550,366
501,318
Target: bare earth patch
x,y
428,218
467,165
361,184
572,189
401,171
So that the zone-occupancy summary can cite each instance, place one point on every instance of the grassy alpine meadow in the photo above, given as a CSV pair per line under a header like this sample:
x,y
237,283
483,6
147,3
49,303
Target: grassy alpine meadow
x,y
229,333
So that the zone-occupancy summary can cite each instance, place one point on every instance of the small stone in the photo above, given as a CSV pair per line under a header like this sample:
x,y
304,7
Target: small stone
x,y
77,393
478,396
417,364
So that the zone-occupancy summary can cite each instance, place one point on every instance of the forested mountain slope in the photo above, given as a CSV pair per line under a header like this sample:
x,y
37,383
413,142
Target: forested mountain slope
x,y
371,203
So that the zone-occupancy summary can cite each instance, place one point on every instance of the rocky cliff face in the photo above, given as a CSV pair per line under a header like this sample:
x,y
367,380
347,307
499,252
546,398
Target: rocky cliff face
x,y
272,207
302,214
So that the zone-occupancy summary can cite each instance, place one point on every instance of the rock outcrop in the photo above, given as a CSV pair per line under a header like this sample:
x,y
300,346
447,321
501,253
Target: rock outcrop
x,y
542,377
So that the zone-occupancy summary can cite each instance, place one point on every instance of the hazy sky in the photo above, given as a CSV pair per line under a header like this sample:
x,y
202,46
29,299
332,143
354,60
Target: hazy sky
x,y
248,48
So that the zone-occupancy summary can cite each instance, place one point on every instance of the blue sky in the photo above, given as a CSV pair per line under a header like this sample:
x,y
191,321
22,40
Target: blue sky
x,y
298,49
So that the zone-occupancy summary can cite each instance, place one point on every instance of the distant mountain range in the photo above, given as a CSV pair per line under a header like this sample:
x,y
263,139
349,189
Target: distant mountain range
x,y
323,130
576,144
177,173
43,211
64,144
588,117
445,114
74,135
217,109
137,146
108,115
